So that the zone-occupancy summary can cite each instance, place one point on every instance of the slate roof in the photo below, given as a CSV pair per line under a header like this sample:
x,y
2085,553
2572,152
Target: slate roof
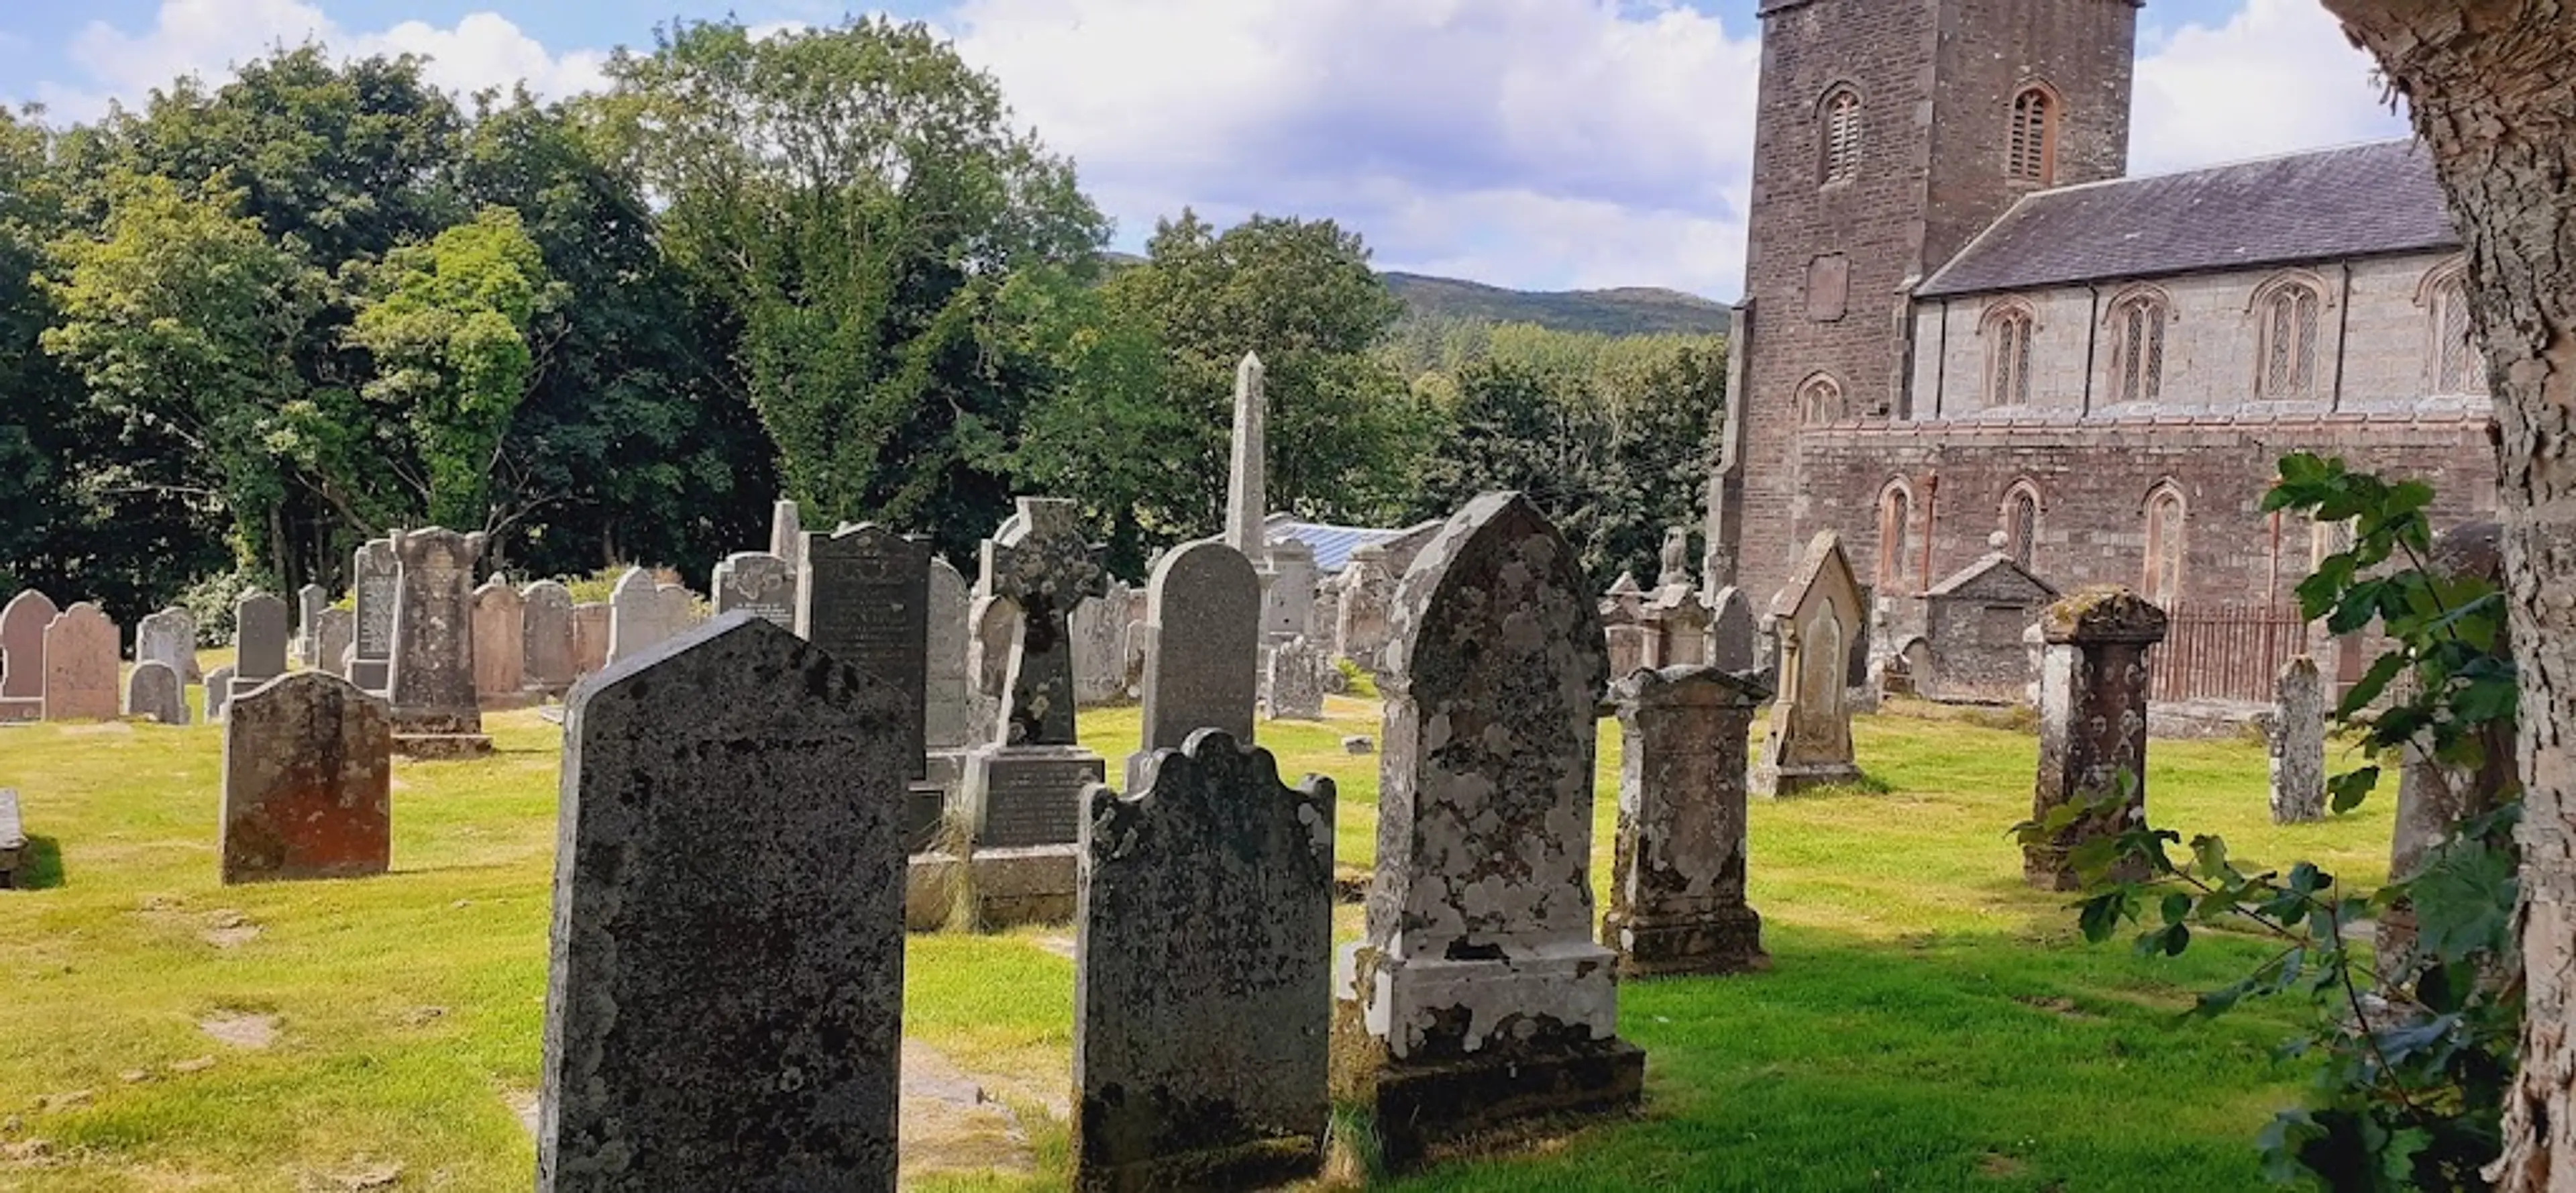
x,y
1333,544
2357,201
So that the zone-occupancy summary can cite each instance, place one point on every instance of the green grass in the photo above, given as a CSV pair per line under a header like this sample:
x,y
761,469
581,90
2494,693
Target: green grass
x,y
1931,1024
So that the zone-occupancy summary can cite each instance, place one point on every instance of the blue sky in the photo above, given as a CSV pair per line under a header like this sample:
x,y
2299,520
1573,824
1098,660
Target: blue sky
x,y
1530,143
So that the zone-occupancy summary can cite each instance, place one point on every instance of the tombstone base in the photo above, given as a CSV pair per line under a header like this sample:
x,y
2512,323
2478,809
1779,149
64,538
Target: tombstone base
x,y
1774,782
21,709
1260,1164
1034,885
372,675
1416,1105
947,768
1723,941
441,747
925,816
932,885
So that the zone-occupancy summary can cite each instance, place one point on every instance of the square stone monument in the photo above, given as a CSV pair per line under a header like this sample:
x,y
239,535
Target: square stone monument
x,y
1677,882
436,714
2093,684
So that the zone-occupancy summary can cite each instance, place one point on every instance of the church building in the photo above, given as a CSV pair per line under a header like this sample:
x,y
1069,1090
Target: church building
x,y
1965,330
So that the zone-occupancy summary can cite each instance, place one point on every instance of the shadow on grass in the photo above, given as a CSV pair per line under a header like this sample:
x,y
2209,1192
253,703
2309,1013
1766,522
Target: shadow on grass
x,y
40,866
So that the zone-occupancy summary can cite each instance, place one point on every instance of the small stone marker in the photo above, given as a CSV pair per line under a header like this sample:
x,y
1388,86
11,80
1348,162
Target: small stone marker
x,y
2093,683
260,634
1478,995
734,779
1677,884
1296,690
634,617
758,583
310,601
1203,1014
1203,639
22,654
1731,632
546,637
13,839
308,781
168,637
1368,598
81,666
436,714
2297,744
153,690
500,645
948,698
219,693
335,632
593,623
377,583
787,534
1817,619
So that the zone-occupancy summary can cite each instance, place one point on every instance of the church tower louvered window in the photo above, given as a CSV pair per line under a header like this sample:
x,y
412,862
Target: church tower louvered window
x,y
1840,152
2030,152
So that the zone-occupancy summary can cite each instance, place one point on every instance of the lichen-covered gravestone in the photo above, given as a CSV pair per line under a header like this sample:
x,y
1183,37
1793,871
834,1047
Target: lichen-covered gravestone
x,y
81,666
436,714
1816,619
1479,995
1677,882
1296,689
1202,957
1203,638
308,781
153,690
2093,683
168,637
679,607
2295,739
864,598
22,654
1368,597
376,579
500,644
546,637
635,622
724,1007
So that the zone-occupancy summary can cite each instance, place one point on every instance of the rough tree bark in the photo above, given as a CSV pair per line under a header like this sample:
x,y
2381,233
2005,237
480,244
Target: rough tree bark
x,y
2492,85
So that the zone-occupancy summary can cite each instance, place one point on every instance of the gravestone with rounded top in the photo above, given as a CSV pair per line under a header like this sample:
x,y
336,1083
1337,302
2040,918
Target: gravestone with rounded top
x,y
22,654
260,632
436,714
593,623
219,692
335,633
308,781
546,637
1203,643
679,608
153,691
81,666
500,645
168,637
376,581
634,617
1732,636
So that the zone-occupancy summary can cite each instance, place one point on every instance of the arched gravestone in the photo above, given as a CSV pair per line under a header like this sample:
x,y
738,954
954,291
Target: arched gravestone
x,y
1479,995
168,637
308,781
734,780
634,617
546,636
500,643
80,666
262,629
22,654
1203,610
153,691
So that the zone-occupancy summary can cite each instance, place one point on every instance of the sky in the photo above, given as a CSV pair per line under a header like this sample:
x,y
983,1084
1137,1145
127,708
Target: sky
x,y
1537,144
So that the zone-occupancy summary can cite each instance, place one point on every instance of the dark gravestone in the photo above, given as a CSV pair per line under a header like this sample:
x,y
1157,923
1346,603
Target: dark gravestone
x,y
2093,685
1203,648
308,781
725,1004
864,596
376,578
1677,882
1202,1009
546,637
436,714
757,583
153,690
334,632
261,635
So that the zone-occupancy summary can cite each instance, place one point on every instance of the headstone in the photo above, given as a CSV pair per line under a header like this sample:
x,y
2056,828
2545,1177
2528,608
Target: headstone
x,y
435,711
81,666
260,634
500,645
22,654
1042,563
2092,724
1203,637
310,601
1629,647
634,617
1625,603
1203,1015
13,840
1478,995
993,623
1731,633
546,637
758,583
1679,627
1296,689
377,583
336,632
1097,629
735,779
153,690
1677,882
864,598
219,692
2296,743
593,624
168,637
1288,606
308,781
948,712
1815,620
679,609
1247,477
787,533
1368,597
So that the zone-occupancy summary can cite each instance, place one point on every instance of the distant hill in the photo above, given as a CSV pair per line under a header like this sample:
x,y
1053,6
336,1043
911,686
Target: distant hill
x,y
1628,310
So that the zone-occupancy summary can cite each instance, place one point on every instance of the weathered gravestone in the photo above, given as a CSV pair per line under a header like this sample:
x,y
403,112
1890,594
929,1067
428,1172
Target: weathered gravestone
x,y
1097,630
153,690
724,1007
13,840
1816,619
593,623
436,714
2295,740
679,608
335,633
1296,690
635,622
168,637
1972,626
1731,633
308,781
546,637
787,533
992,624
310,601
1478,994
260,635
864,598
1368,597
22,654
219,692
1288,604
948,696
376,579
2093,684
758,583
1203,1012
500,645
1203,638
81,665
1677,626
1677,882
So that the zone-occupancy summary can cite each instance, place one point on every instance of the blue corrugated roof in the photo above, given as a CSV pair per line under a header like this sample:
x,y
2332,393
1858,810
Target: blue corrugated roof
x,y
1332,544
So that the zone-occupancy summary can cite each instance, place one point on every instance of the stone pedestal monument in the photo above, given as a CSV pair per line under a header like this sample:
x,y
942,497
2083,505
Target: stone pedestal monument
x,y
1677,882
436,714
2092,724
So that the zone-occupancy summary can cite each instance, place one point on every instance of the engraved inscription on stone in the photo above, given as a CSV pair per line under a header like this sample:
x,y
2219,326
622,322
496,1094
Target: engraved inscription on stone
x,y
1030,802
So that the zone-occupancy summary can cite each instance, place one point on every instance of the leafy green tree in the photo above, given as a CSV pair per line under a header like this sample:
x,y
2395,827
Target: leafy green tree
x,y
1515,427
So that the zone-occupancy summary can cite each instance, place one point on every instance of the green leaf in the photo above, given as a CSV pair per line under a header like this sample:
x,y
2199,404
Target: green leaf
x,y
2350,788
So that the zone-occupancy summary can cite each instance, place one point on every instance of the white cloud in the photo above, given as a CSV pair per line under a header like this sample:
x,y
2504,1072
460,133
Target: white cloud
x,y
2277,76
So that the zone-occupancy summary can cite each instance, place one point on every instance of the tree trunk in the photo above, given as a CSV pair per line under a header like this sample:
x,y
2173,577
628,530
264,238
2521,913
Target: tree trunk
x,y
2494,97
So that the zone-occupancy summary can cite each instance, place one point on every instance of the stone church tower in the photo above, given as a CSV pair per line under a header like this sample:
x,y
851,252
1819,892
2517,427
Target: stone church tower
x,y
1889,133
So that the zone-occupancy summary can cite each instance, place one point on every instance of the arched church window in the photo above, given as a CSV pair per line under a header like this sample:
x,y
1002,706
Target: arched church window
x,y
2008,330
1895,521
2456,368
2021,523
1839,153
1820,399
2164,544
2138,346
2289,313
2030,152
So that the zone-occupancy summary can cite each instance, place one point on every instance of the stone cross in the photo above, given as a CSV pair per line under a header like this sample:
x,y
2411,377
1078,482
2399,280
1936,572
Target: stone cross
x,y
261,633
1677,882
1480,915
2093,684
864,598
500,643
1202,1007
1817,619
2296,743
1203,618
22,653
308,781
634,617
1041,562
376,578
546,637
432,688
735,778
1247,478
154,690
756,582
81,666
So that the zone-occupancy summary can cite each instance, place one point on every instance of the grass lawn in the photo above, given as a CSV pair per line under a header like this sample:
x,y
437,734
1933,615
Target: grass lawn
x,y
1930,1024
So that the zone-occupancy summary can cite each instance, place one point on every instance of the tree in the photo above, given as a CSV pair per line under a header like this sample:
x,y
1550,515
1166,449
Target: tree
x,y
2491,96
1106,431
